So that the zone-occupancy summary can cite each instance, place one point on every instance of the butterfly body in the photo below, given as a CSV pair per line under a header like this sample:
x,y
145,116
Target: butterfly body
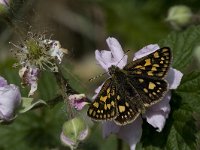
x,y
131,90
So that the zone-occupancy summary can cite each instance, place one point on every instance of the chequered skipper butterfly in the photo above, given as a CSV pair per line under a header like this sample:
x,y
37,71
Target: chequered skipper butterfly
x,y
131,90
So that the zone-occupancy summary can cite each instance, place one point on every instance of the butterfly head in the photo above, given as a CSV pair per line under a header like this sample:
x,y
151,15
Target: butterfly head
x,y
113,69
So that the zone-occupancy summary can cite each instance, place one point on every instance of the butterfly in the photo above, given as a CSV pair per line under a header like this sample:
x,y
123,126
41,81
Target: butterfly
x,y
131,90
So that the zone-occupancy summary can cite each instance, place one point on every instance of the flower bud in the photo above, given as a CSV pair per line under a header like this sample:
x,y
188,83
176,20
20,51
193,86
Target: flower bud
x,y
74,131
10,99
179,15
78,101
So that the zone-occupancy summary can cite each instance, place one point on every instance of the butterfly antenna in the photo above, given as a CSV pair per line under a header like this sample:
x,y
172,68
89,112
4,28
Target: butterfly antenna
x,y
122,57
91,79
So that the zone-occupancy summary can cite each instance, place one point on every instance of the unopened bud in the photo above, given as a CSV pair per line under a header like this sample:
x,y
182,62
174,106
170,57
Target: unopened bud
x,y
179,15
74,131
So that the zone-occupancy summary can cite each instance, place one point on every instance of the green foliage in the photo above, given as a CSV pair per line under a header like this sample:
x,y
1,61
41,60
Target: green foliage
x,y
182,45
181,131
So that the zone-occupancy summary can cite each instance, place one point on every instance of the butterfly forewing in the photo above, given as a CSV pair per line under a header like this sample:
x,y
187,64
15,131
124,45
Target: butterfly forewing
x,y
104,105
154,65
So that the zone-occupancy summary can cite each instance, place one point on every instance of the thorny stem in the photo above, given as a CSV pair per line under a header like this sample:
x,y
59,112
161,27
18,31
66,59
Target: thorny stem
x,y
66,90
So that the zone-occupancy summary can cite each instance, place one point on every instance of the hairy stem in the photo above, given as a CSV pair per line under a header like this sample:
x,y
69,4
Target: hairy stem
x,y
66,90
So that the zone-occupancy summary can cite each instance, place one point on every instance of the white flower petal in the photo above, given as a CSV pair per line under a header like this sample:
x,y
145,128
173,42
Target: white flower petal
x,y
115,48
10,99
33,87
109,127
174,78
131,133
146,51
103,62
157,114
3,82
83,134
157,120
97,91
66,141
114,57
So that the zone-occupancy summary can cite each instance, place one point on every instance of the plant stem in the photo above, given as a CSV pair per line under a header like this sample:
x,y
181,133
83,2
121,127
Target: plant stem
x,y
119,144
66,90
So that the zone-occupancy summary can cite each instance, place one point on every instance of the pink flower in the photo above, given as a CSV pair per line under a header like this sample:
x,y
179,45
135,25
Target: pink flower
x,y
155,115
10,99
78,101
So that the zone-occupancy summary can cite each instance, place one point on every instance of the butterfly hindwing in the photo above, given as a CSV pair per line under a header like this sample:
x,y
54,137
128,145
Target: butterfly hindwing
x,y
104,105
151,90
154,65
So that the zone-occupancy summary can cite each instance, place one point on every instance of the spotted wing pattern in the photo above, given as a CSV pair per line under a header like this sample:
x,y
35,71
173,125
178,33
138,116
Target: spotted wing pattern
x,y
143,86
153,65
104,105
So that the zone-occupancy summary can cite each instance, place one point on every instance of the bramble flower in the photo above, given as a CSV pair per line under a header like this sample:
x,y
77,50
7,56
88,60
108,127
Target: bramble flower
x,y
78,101
155,115
74,131
10,99
37,54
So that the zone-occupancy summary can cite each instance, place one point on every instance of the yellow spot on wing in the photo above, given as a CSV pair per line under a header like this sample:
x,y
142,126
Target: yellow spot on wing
x,y
108,90
139,66
103,98
113,92
90,111
108,105
151,85
105,107
156,55
112,113
141,80
121,108
145,90
118,97
148,62
154,93
150,73
166,54
165,50
127,104
112,103
154,69
156,65
95,104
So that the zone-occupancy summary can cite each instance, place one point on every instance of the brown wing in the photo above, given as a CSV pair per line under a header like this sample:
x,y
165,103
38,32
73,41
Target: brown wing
x,y
155,64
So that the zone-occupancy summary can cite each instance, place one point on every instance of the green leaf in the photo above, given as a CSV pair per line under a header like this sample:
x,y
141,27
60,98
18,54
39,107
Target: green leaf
x,y
182,45
178,133
189,90
30,103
